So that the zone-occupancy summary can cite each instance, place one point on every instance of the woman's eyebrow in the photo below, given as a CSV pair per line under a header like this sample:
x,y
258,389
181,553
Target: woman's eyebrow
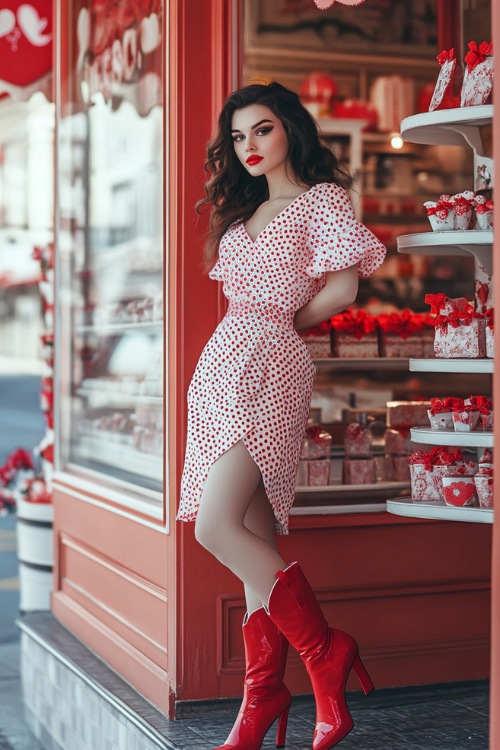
x,y
235,130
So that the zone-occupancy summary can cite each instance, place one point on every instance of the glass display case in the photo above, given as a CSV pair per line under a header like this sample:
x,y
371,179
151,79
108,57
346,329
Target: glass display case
x,y
110,251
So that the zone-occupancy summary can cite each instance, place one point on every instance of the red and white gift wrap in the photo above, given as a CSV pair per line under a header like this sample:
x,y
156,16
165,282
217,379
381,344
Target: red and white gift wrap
x,y
400,334
465,419
463,206
359,471
485,408
354,335
489,332
478,76
407,413
384,468
484,214
484,489
401,468
313,472
318,341
440,413
397,441
458,490
357,441
316,443
460,334
426,471
440,214
448,63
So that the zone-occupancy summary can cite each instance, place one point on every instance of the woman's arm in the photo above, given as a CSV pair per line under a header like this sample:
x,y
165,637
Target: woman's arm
x,y
338,293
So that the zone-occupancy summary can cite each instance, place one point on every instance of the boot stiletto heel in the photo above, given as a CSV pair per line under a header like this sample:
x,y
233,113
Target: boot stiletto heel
x,y
281,731
364,678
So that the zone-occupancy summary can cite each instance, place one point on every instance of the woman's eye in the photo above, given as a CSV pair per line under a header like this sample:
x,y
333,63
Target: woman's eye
x,y
237,138
263,131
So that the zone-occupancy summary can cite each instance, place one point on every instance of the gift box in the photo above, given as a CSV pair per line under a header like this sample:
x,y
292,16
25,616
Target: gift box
x,y
384,469
489,333
316,443
359,471
401,468
426,471
458,490
441,412
397,441
440,214
422,484
354,335
484,214
478,76
448,62
465,420
485,408
460,335
407,413
484,489
313,472
463,207
400,334
357,440
318,341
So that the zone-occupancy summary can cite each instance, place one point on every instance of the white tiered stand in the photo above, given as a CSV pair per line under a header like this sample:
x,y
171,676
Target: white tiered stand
x,y
452,127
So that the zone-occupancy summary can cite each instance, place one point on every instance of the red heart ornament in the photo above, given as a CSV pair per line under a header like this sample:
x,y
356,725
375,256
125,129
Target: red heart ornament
x,y
458,493
25,41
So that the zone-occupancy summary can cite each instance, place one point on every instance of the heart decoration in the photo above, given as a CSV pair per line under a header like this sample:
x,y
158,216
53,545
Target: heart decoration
x,y
459,493
25,41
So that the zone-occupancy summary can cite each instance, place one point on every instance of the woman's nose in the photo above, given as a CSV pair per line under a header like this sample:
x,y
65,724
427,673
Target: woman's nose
x,y
249,146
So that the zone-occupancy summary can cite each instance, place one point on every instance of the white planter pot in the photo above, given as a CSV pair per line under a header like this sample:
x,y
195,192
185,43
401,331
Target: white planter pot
x,y
35,585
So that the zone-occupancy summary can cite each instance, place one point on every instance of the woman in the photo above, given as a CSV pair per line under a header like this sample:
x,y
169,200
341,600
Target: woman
x,y
285,242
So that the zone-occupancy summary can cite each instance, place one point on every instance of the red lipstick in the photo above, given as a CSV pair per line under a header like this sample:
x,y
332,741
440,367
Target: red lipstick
x,y
254,159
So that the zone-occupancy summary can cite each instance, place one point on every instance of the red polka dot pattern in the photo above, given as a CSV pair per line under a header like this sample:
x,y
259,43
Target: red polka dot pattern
x,y
254,379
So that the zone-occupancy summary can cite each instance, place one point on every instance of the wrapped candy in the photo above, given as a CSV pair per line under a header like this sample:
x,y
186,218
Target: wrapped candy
x,y
448,62
485,408
400,334
426,470
317,339
440,414
478,76
484,214
440,214
465,419
357,440
407,413
354,335
463,206
359,471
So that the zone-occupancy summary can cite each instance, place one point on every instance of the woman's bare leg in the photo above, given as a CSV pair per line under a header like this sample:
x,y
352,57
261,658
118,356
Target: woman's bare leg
x,y
220,524
260,520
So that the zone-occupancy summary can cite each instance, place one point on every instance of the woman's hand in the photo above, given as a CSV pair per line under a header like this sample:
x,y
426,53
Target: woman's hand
x,y
339,292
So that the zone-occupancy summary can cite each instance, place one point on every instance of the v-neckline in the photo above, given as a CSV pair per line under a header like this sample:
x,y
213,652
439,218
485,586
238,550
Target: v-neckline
x,y
253,242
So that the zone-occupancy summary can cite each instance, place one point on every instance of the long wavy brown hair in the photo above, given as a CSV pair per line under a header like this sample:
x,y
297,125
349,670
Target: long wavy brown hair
x,y
231,192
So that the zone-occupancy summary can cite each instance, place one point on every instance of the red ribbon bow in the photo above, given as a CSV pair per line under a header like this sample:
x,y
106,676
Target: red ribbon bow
x,y
482,208
318,434
358,325
483,403
457,318
477,55
450,403
444,56
403,324
436,301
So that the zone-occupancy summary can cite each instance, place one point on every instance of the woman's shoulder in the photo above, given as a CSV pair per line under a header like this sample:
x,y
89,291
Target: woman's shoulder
x,y
329,191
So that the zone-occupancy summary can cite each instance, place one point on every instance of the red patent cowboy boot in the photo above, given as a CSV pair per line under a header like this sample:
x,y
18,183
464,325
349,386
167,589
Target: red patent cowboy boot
x,y
329,654
265,697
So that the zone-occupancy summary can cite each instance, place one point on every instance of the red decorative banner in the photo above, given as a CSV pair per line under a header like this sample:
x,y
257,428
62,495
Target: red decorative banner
x,y
25,44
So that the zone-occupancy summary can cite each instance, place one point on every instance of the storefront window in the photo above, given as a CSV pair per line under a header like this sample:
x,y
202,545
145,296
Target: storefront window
x,y
111,249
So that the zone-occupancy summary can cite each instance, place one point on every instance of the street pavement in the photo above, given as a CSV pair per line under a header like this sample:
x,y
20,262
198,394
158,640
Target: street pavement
x,y
21,426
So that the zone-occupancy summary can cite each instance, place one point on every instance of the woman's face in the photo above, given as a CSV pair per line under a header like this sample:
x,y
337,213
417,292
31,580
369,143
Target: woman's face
x,y
259,138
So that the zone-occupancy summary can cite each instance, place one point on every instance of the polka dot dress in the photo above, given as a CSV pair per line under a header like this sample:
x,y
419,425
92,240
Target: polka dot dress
x,y
254,379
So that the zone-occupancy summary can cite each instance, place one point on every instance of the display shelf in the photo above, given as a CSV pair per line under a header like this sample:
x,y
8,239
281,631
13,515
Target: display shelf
x,y
352,488
117,398
450,437
374,363
403,506
455,243
110,329
121,456
478,366
454,127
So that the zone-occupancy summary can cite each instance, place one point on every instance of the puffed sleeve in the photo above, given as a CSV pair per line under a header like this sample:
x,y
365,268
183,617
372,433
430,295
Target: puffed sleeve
x,y
336,239
215,272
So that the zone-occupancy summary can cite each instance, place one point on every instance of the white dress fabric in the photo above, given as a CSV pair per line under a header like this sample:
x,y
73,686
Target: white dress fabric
x,y
254,379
